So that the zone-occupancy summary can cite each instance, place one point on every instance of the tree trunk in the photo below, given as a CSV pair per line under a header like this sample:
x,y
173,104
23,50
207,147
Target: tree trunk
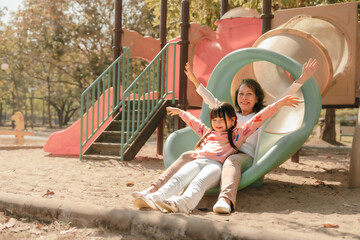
x,y
1,113
49,102
328,131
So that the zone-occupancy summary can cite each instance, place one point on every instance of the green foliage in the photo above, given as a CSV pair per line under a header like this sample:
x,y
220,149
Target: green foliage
x,y
58,48
205,12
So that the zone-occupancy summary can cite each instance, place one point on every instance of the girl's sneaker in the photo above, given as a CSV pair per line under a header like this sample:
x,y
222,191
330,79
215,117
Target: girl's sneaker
x,y
171,205
168,205
145,202
143,193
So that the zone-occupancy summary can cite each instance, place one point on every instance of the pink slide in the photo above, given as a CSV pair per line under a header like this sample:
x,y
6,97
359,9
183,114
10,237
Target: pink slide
x,y
206,49
67,141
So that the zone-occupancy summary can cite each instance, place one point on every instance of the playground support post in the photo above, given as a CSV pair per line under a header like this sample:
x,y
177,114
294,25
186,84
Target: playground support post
x,y
184,45
354,171
117,44
224,7
266,16
160,129
117,30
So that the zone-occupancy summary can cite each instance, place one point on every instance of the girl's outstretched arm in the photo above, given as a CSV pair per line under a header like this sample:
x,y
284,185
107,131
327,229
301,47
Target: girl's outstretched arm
x,y
198,127
172,111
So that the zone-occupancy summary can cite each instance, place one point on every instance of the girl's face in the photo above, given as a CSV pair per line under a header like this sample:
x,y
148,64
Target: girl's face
x,y
246,99
218,123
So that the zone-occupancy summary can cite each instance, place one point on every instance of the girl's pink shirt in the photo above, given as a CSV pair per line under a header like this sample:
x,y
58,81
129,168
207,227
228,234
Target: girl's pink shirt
x,y
216,145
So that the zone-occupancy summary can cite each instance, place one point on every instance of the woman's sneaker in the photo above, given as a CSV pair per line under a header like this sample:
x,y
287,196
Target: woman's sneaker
x,y
221,206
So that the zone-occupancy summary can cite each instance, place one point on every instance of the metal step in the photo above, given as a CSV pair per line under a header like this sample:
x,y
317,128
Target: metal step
x,y
101,148
101,157
109,137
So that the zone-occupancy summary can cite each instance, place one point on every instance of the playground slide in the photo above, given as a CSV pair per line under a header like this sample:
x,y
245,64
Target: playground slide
x,y
275,146
67,141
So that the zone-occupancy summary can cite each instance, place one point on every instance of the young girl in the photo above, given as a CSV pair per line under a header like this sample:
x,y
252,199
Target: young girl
x,y
216,144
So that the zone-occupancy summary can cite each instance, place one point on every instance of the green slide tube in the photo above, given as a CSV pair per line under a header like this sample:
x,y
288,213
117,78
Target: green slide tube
x,y
273,149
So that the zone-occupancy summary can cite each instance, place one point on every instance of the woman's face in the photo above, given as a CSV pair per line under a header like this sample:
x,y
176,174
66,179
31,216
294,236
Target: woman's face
x,y
246,99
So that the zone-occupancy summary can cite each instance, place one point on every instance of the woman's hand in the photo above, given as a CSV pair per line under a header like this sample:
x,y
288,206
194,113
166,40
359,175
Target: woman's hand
x,y
289,100
309,68
172,111
191,76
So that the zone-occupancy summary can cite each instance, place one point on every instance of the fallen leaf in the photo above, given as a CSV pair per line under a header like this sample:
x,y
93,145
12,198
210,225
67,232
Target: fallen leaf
x,y
320,182
48,194
39,226
328,225
130,184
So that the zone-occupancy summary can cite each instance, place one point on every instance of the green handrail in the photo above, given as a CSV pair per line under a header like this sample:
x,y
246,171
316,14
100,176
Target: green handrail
x,y
101,90
138,100
146,94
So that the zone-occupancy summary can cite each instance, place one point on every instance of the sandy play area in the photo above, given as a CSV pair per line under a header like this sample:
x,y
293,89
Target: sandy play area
x,y
307,197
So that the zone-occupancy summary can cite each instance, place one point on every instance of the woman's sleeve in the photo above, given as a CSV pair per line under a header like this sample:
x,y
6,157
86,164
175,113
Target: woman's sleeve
x,y
198,127
294,87
207,96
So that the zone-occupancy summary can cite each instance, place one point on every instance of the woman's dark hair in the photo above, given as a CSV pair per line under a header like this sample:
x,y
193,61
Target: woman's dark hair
x,y
222,110
259,93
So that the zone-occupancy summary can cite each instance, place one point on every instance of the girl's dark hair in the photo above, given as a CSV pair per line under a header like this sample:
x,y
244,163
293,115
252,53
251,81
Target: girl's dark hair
x,y
259,93
222,110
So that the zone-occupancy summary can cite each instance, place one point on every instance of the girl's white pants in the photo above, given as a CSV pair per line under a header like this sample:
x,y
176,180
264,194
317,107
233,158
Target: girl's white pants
x,y
199,175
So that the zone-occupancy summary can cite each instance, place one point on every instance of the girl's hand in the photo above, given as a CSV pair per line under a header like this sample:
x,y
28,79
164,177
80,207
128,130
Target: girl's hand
x,y
191,76
172,111
289,100
309,68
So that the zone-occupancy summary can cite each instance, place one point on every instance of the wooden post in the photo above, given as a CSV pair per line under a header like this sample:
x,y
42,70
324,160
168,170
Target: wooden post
x,y
117,29
224,7
184,45
266,16
32,110
354,171
160,129
117,47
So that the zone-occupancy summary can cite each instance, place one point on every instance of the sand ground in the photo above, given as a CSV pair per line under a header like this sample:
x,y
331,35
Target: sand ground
x,y
311,196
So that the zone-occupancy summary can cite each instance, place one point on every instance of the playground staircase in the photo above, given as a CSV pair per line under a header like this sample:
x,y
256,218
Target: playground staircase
x,y
108,144
118,115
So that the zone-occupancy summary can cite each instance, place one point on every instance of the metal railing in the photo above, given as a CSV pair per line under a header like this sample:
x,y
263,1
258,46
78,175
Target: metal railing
x,y
98,101
137,100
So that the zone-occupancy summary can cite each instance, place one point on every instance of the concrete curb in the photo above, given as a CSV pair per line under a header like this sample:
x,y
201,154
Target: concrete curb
x,y
153,225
